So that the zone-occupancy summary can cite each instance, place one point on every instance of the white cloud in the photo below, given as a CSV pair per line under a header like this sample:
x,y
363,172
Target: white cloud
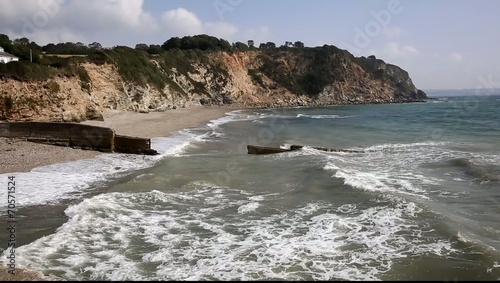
x,y
456,57
221,29
181,22
393,32
61,20
395,53
111,22
395,50
110,13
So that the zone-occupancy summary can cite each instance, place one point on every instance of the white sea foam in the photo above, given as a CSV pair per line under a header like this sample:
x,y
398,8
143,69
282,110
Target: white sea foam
x,y
53,183
246,208
240,115
406,146
323,116
182,236
230,117
391,168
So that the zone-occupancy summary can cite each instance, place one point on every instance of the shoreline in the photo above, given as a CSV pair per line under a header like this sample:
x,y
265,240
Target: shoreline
x,y
18,155
159,124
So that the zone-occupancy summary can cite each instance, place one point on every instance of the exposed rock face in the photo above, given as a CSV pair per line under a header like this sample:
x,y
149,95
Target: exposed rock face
x,y
242,79
57,99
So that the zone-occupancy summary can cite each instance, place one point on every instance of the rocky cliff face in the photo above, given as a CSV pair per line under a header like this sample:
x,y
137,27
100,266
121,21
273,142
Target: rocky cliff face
x,y
321,76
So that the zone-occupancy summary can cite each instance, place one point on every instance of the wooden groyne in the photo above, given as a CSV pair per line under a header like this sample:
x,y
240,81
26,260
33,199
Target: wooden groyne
x,y
76,136
262,150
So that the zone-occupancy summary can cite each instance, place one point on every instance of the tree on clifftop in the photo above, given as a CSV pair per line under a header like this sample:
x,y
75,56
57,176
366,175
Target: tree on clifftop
x,y
22,41
5,40
240,46
201,42
95,45
299,44
154,49
142,46
172,43
267,45
69,48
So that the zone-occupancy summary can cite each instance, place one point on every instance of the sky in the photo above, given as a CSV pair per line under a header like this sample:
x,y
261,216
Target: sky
x,y
443,44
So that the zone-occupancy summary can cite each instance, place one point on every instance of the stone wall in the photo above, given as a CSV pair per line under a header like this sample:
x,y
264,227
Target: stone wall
x,y
132,145
76,136
69,134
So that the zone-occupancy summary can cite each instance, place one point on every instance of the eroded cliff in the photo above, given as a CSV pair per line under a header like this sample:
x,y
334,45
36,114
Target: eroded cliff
x,y
128,79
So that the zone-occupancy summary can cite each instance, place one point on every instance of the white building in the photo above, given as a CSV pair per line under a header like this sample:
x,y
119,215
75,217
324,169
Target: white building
x,y
6,57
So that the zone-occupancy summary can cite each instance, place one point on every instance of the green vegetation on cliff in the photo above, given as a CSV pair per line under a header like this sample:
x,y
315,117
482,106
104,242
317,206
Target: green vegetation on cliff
x,y
301,70
317,68
135,66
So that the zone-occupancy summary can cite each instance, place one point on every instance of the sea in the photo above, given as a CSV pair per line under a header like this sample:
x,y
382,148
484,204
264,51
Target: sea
x,y
421,201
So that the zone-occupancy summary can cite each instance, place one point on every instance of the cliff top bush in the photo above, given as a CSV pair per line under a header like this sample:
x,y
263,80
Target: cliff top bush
x,y
136,66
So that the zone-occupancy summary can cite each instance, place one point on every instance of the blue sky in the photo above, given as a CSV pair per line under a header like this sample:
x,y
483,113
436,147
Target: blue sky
x,y
441,43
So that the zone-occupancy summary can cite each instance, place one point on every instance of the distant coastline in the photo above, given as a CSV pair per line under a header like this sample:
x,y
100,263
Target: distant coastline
x,y
462,92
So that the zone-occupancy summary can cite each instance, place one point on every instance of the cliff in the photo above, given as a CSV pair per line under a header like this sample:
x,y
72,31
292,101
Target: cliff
x,y
76,89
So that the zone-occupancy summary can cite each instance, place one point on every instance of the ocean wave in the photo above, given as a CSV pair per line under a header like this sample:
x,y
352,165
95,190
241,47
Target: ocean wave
x,y
404,146
256,117
233,116
323,116
474,167
182,236
240,115
393,168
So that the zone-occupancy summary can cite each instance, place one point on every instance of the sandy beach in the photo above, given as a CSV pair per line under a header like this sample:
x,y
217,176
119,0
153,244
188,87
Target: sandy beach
x,y
18,155
158,124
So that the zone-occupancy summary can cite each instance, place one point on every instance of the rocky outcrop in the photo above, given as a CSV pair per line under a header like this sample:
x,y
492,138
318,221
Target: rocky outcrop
x,y
262,150
278,78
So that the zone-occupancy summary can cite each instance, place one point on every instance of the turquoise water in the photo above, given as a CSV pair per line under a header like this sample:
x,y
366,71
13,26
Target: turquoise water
x,y
421,203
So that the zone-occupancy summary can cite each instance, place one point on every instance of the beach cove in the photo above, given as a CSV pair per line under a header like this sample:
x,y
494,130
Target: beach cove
x,y
18,155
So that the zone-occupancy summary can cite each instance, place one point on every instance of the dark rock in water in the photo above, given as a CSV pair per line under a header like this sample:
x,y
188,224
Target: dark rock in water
x,y
296,147
337,150
261,150
149,152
